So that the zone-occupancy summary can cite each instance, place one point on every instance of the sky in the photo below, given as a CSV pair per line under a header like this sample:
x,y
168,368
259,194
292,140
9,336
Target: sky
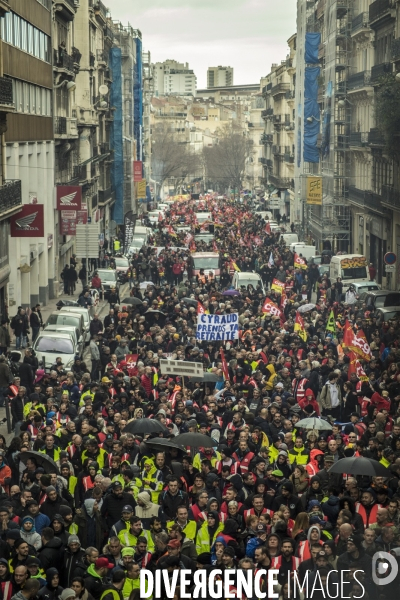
x,y
248,35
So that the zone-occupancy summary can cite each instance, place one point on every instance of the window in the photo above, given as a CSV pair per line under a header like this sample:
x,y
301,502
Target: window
x,y
31,99
21,34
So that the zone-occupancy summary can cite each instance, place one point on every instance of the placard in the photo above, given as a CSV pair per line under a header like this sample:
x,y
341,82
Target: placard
x,y
217,327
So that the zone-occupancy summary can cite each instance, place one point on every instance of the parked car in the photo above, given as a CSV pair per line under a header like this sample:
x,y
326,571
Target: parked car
x,y
60,318
365,286
380,299
50,344
245,278
121,266
390,313
74,331
109,280
86,315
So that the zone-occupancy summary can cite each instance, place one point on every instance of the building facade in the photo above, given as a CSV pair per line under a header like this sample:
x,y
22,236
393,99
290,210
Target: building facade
x,y
174,78
219,76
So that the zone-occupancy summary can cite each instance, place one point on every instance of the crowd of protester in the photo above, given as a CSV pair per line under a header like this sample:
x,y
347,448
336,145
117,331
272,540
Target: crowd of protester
x,y
263,496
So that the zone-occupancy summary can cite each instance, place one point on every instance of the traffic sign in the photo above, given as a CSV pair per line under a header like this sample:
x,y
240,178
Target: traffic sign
x,y
390,258
390,268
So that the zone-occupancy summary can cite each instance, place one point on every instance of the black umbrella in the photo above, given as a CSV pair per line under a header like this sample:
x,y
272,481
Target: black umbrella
x,y
141,426
213,377
195,440
131,300
42,460
358,465
151,311
164,443
190,301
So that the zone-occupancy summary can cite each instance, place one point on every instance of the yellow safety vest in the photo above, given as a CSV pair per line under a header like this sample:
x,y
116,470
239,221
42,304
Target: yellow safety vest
x,y
129,540
203,542
100,459
72,481
114,593
190,529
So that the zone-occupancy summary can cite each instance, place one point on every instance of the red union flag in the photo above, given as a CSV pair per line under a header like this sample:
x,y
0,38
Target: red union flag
x,y
200,308
299,263
356,343
270,308
29,222
278,286
355,367
69,197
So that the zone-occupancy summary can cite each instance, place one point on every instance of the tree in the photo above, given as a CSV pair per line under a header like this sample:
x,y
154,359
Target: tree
x,y
226,161
171,157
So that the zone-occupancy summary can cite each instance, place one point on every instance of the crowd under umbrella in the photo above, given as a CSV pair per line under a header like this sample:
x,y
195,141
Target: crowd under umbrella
x,y
155,316
231,293
207,378
131,300
144,284
162,443
143,426
42,460
359,465
192,301
306,308
314,423
195,440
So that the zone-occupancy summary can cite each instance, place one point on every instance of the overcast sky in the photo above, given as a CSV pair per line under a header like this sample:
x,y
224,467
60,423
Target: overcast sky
x,y
247,35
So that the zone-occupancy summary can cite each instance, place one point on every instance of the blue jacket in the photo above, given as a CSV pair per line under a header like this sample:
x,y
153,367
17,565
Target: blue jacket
x,y
41,521
252,545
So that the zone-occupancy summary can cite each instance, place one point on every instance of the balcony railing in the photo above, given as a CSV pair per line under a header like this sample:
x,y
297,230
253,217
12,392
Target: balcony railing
x,y
10,195
277,118
379,71
379,9
63,60
395,48
262,160
364,197
104,195
341,87
92,59
280,88
358,138
391,196
108,32
60,125
102,56
280,182
269,163
290,94
104,148
289,158
80,172
359,80
375,137
359,22
276,149
6,91
99,7
266,138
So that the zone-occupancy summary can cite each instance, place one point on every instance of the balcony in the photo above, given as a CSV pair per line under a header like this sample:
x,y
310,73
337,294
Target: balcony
x,y
365,198
277,119
265,114
341,60
395,49
289,158
280,89
359,80
391,196
269,163
380,11
62,60
380,71
104,148
262,160
105,196
80,172
10,197
341,88
290,95
276,149
108,33
266,138
280,182
102,57
60,126
99,9
360,23
358,139
6,95
92,59
375,137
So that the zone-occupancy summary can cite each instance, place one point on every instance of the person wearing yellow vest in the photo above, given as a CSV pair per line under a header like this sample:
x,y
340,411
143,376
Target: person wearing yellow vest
x,y
206,453
298,454
152,480
71,479
208,532
50,449
95,574
128,538
188,527
114,591
94,453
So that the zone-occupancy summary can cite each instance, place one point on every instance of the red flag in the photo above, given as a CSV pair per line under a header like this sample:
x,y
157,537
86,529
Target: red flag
x,y
284,301
299,327
355,367
200,308
224,365
160,217
356,343
364,347
270,308
299,263
348,335
268,228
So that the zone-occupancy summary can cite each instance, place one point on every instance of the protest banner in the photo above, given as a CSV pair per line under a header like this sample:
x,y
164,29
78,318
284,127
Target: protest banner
x,y
217,327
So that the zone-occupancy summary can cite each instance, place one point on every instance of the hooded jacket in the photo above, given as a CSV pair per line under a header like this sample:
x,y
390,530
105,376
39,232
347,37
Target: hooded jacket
x,y
94,583
299,456
48,592
206,537
149,510
312,467
51,554
304,548
292,502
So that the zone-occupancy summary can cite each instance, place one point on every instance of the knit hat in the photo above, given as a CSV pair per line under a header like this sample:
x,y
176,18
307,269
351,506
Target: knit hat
x,y
204,558
67,593
13,534
49,489
127,552
73,539
174,544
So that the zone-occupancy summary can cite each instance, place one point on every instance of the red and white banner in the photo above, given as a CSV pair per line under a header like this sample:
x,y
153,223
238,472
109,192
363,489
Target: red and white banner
x,y
29,222
137,170
278,286
69,197
299,263
68,219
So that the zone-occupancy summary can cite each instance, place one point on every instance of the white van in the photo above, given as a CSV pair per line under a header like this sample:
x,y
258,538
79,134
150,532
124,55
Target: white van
x,y
352,268
203,216
306,252
290,238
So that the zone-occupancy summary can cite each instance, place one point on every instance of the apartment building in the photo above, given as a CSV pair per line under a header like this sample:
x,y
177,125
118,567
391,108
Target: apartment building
x,y
255,132
219,76
174,78
278,137
28,162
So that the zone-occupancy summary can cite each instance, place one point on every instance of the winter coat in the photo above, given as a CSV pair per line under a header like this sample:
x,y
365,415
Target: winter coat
x,y
94,583
51,554
70,562
325,397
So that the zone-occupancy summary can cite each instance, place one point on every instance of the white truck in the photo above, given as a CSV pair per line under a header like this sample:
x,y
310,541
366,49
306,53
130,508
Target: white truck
x,y
352,268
